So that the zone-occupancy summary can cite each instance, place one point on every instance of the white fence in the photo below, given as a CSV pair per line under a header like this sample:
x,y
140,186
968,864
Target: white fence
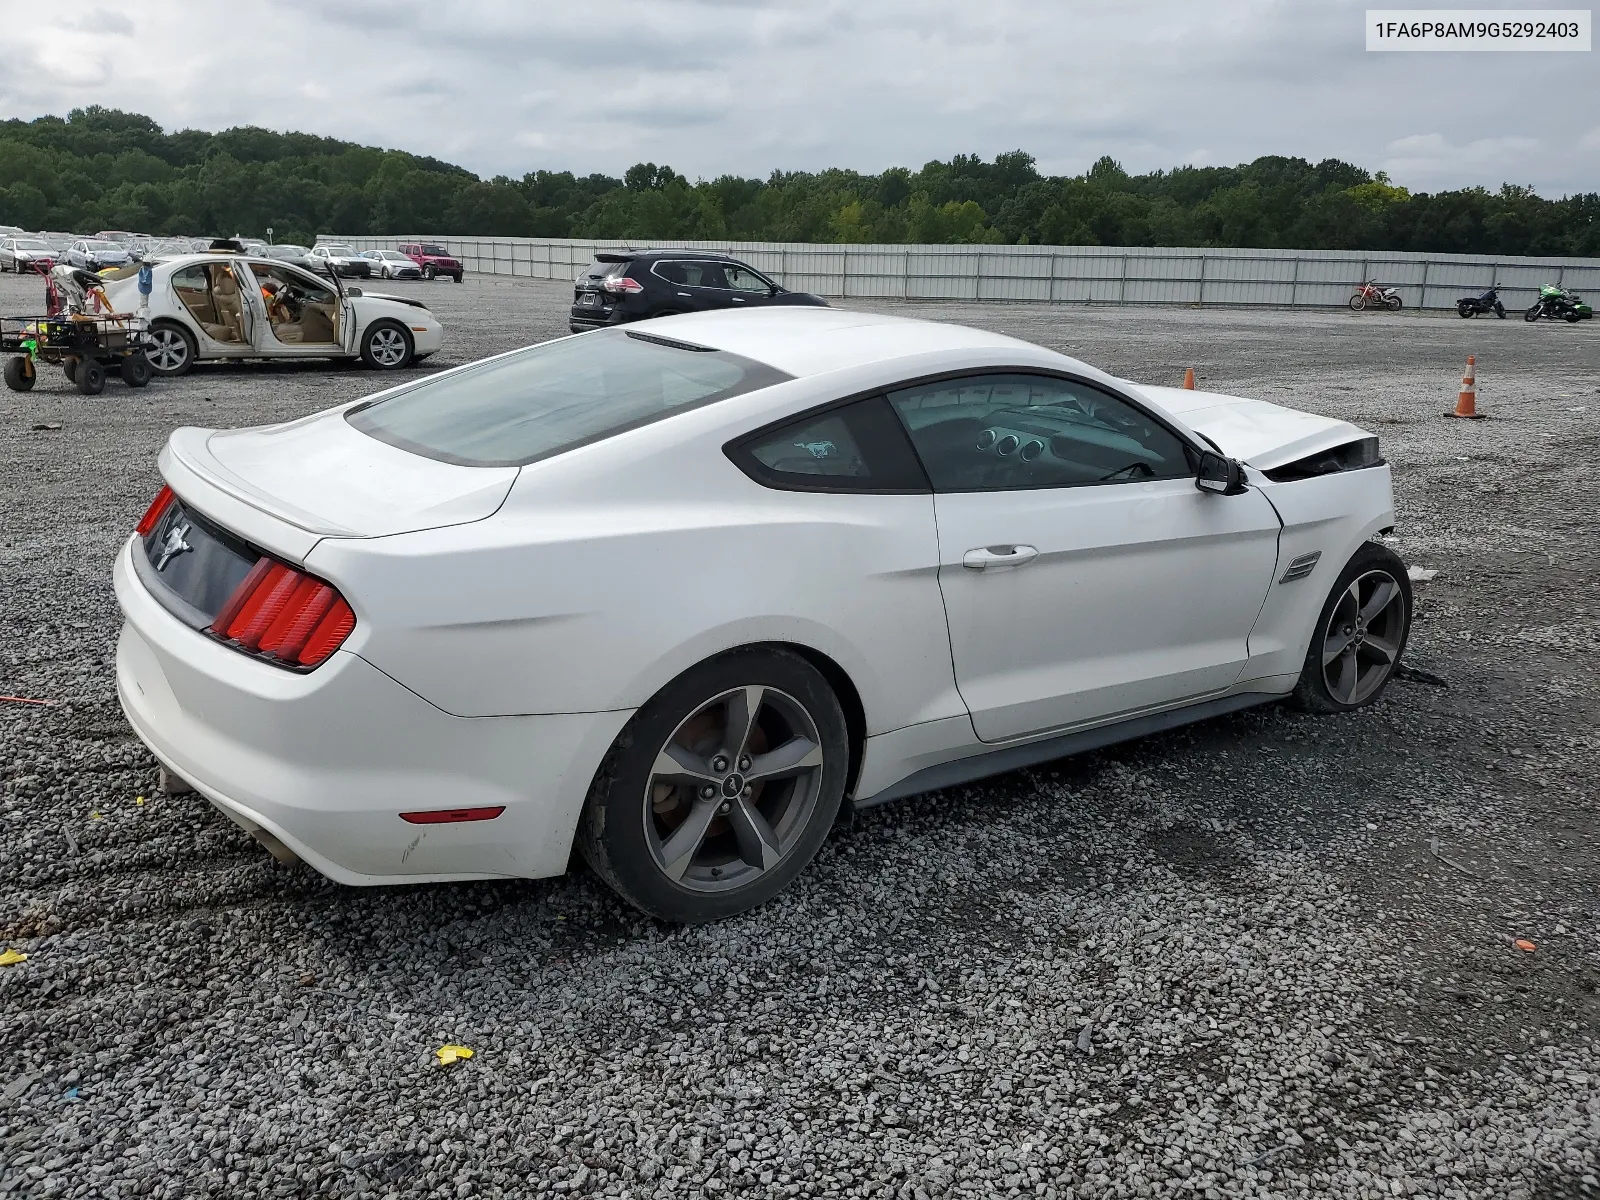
x,y
1063,274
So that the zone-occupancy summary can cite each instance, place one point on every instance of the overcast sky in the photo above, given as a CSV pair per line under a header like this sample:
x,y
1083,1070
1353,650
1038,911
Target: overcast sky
x,y
746,86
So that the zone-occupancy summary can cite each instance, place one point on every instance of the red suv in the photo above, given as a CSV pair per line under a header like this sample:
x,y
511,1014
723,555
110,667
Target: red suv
x,y
433,258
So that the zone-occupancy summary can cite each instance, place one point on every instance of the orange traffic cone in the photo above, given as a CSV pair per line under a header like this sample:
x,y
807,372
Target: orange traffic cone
x,y
1188,379
1467,401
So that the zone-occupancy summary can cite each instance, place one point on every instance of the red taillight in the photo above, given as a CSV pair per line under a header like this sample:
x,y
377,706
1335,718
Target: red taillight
x,y
159,505
284,614
622,284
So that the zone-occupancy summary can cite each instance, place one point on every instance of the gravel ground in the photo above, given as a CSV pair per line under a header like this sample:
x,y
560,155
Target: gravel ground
x,y
1269,955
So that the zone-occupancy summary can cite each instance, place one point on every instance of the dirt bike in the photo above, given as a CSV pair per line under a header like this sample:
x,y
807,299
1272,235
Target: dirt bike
x,y
1558,304
1471,306
1370,295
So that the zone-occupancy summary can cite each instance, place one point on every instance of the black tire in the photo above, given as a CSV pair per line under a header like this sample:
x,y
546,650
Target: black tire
x,y
135,370
20,375
457,278
1535,311
91,378
428,272
1573,316
1373,566
1500,311
1358,302
387,346
627,821
69,368
171,349
1394,303
1466,310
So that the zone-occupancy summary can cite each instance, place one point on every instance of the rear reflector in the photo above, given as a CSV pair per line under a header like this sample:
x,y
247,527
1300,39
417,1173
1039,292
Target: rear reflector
x,y
153,514
449,816
284,616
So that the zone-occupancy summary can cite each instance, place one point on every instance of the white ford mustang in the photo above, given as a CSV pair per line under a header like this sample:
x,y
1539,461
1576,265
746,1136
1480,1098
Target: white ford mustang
x,y
677,591
223,305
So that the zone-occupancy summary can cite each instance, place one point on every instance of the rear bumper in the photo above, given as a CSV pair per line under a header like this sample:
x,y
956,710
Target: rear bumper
x,y
326,762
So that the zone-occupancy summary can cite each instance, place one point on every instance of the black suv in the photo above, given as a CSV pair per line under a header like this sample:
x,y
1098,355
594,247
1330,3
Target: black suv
x,y
634,285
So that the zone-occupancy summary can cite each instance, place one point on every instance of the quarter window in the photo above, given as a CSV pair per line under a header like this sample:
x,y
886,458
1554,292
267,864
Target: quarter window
x,y
857,448
992,432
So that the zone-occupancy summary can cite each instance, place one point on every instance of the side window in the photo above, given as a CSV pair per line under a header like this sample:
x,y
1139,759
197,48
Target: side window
x,y
992,432
707,275
743,279
674,271
857,448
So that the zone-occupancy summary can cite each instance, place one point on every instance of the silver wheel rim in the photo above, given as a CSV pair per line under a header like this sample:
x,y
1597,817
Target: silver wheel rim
x,y
388,347
1361,642
732,791
168,350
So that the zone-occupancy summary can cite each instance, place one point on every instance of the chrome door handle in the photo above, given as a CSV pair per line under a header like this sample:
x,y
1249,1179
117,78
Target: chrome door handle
x,y
985,557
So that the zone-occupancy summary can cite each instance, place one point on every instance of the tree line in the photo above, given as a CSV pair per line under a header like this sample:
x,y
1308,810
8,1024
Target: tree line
x,y
100,168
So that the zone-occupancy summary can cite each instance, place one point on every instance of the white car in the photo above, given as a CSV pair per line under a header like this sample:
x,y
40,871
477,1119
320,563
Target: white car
x,y
223,305
391,264
340,260
677,591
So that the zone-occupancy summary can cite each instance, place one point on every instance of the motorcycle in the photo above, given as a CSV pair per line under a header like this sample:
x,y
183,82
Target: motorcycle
x,y
1471,306
1370,295
1558,303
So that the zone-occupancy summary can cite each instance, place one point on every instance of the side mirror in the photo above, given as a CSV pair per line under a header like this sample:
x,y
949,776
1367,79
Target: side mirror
x,y
352,291
1220,475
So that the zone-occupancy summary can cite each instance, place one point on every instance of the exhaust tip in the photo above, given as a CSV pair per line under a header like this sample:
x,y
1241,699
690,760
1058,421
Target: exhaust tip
x,y
274,847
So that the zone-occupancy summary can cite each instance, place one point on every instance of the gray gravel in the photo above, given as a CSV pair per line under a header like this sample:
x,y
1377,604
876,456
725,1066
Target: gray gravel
x,y
1270,955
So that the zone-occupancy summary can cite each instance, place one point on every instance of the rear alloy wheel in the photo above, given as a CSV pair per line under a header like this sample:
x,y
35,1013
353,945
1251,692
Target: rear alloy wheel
x,y
721,789
386,346
170,349
427,272
1360,634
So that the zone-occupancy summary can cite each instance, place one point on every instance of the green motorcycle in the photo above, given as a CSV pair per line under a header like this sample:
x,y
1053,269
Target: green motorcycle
x,y
1558,303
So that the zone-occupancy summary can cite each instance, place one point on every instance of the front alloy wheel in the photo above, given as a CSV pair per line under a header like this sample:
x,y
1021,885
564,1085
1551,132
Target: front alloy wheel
x,y
721,789
1361,634
387,347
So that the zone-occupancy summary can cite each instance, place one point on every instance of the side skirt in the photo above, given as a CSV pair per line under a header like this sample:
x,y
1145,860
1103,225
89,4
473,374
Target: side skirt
x,y
1014,758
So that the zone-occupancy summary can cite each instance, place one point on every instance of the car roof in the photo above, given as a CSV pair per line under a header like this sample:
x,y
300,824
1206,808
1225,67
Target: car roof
x,y
636,255
809,341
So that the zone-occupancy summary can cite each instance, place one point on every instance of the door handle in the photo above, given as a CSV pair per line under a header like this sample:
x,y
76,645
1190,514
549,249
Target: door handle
x,y
683,293
738,299
985,557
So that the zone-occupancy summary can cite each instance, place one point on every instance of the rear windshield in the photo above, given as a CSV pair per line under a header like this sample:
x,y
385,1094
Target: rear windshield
x,y
533,403
604,270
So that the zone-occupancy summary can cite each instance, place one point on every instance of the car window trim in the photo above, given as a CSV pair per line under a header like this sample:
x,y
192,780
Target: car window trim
x,y
738,451
1187,439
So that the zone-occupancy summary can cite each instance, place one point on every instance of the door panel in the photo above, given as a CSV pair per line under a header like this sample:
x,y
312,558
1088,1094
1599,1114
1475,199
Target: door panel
x,y
1138,595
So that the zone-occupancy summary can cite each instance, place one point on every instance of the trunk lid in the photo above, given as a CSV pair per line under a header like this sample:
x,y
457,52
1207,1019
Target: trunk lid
x,y
1256,432
326,479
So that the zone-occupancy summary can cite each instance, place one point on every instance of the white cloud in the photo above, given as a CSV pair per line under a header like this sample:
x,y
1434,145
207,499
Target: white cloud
x,y
746,86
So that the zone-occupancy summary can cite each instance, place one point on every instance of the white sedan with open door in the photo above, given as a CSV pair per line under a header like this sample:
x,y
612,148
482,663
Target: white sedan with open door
x,y
224,305
677,592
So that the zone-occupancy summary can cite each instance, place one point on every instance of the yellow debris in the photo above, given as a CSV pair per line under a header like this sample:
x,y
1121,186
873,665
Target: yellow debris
x,y
8,957
449,1054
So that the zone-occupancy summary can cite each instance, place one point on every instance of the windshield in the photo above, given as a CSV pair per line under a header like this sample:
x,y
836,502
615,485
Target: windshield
x,y
285,250
32,244
436,251
93,244
341,251
536,402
